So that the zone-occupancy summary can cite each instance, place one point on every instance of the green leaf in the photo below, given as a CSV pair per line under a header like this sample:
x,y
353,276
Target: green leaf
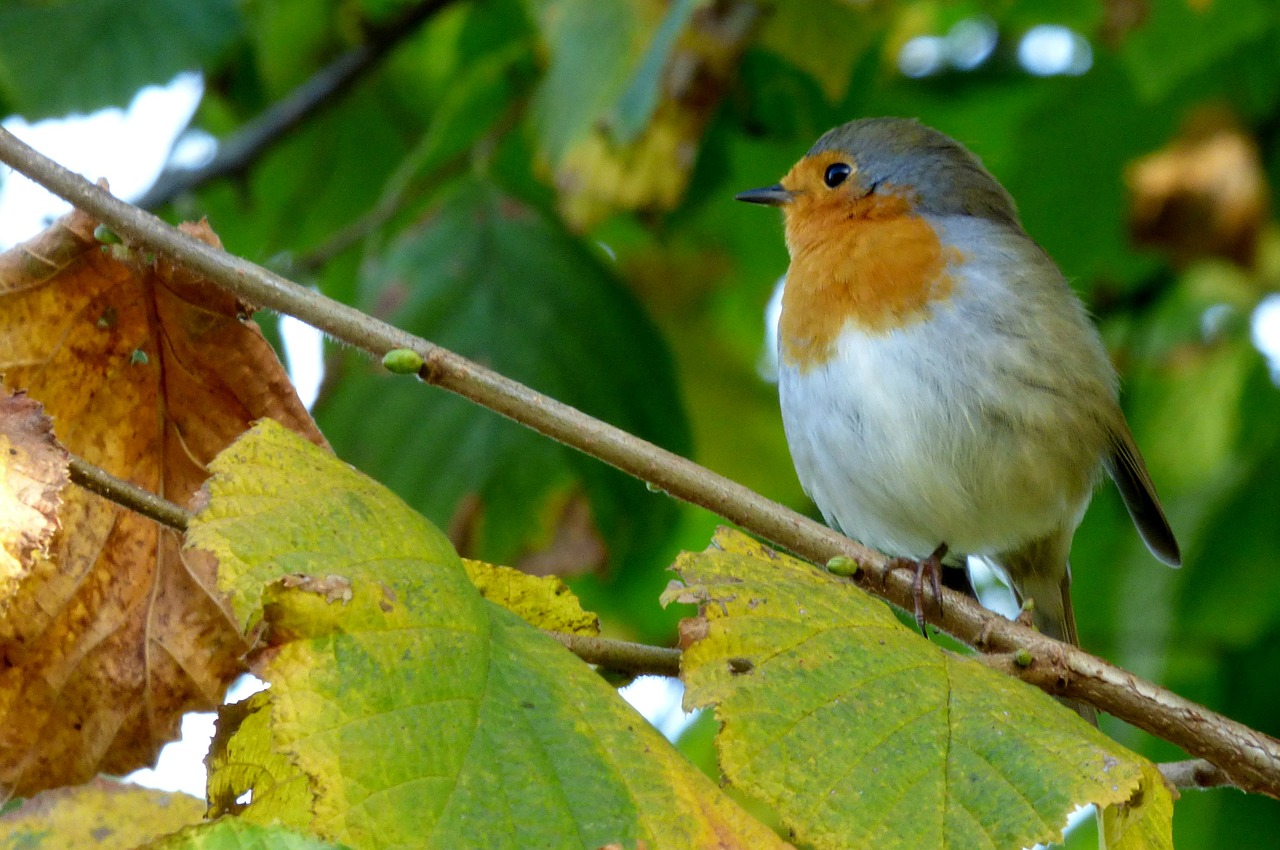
x,y
506,286
636,104
103,814
592,47
423,715
356,145
233,834
436,94
290,39
61,57
1068,176
825,38
863,734
1181,39
1237,549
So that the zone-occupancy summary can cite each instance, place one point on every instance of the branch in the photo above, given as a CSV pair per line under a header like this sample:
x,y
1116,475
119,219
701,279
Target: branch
x,y
1251,759
238,152
130,495
1194,773
638,659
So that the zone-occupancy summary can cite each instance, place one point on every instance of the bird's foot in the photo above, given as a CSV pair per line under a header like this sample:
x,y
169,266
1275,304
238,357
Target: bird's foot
x,y
932,566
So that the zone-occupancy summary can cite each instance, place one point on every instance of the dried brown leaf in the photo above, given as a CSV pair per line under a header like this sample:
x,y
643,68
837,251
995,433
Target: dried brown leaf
x,y
148,371
33,473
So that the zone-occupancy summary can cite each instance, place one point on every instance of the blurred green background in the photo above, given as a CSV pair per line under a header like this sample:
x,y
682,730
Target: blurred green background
x,y
546,186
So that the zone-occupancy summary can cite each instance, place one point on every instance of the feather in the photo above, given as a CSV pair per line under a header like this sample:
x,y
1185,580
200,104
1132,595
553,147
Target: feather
x,y
1126,467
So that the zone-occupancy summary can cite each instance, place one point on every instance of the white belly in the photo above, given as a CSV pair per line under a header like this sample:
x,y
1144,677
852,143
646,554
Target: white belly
x,y
914,438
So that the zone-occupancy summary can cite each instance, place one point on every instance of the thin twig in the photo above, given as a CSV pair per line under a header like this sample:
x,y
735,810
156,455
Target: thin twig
x,y
236,153
1250,758
128,494
1194,773
637,659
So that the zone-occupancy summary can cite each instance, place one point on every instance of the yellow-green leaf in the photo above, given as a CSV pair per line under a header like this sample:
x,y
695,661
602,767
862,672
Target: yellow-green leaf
x,y
1147,822
863,734
423,715
242,758
542,601
103,815
236,834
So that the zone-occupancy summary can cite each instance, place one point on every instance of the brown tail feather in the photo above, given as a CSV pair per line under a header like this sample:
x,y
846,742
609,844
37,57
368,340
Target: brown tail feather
x,y
1129,471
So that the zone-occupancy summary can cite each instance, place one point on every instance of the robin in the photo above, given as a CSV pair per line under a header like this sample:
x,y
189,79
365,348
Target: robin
x,y
943,390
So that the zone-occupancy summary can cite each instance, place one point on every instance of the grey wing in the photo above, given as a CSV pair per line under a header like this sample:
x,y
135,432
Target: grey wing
x,y
1129,471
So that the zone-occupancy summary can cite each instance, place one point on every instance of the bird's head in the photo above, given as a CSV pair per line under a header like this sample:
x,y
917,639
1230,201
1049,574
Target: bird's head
x,y
863,248
877,168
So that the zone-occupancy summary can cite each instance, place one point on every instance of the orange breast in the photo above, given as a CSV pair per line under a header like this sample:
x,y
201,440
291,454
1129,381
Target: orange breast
x,y
869,261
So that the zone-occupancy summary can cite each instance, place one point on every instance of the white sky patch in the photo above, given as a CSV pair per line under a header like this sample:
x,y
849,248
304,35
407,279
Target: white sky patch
x,y
1265,328
767,367
128,147
658,699
181,763
968,44
304,354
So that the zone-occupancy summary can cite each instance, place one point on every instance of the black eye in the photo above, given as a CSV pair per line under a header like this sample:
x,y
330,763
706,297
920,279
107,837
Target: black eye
x,y
836,174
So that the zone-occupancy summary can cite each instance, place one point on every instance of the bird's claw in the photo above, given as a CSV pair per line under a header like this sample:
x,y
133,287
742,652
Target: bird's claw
x,y
931,565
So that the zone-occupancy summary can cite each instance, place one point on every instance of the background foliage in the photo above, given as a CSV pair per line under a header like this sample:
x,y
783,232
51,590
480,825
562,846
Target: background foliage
x,y
545,186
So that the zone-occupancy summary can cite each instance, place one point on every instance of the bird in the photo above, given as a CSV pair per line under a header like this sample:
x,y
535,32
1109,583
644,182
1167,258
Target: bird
x,y
943,390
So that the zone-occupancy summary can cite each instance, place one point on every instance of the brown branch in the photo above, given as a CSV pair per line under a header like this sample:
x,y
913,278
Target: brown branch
x,y
130,495
1194,773
637,659
1251,759
238,152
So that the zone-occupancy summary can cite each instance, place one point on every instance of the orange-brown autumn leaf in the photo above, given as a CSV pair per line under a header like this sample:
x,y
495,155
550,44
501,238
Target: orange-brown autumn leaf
x,y
33,473
148,372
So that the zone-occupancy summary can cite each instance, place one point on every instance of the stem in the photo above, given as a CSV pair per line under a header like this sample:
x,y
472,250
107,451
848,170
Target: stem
x,y
638,659
130,495
1251,759
238,152
1194,773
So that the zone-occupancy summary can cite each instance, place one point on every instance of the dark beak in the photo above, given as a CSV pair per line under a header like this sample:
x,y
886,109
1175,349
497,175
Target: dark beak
x,y
771,196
